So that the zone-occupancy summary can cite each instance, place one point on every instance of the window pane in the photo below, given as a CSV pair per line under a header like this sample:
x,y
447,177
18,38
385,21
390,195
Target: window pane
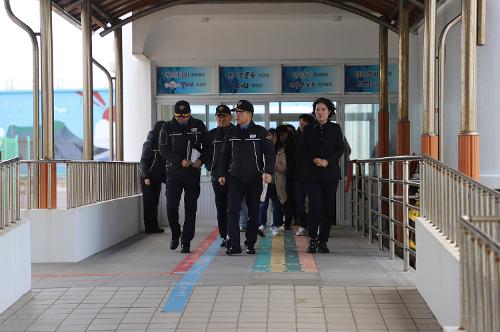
x,y
274,108
296,107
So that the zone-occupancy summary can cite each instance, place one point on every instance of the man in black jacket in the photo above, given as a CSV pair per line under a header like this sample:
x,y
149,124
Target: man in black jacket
x,y
152,171
246,146
295,159
216,139
183,142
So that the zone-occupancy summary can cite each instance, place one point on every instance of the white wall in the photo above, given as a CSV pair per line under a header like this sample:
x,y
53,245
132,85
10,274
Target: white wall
x,y
137,100
15,263
74,234
438,278
487,91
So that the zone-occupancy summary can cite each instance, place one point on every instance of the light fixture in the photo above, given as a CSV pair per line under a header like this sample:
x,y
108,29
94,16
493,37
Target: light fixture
x,y
205,19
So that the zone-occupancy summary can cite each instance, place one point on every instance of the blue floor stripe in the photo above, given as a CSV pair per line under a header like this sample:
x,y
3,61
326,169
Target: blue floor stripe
x,y
181,293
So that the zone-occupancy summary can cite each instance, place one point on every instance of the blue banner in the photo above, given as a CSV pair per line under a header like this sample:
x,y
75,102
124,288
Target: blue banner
x,y
184,80
246,80
310,79
365,78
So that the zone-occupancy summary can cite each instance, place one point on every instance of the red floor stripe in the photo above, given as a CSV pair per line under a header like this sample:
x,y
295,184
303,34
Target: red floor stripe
x,y
188,262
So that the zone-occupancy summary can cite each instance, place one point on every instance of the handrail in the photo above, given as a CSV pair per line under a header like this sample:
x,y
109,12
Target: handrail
x,y
377,184
9,192
479,273
448,194
80,182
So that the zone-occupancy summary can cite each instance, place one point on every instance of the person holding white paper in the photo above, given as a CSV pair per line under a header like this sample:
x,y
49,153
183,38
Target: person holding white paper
x,y
183,143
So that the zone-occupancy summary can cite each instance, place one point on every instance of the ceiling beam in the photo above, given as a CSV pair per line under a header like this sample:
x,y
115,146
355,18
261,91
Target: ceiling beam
x,y
334,3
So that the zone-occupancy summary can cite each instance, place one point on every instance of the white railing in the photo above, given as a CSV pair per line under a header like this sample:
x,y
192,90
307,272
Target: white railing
x,y
382,195
479,273
68,184
447,195
9,192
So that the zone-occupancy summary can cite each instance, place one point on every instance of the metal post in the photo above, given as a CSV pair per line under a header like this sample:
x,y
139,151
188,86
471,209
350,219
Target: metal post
x,y
481,22
379,189
47,79
429,138
88,107
391,209
442,61
119,93
370,207
406,235
110,108
36,77
468,146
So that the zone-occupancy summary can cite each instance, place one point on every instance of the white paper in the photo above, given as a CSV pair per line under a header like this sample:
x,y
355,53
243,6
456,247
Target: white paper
x,y
264,192
195,155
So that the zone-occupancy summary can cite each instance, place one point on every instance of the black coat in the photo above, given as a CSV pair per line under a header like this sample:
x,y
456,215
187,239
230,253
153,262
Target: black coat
x,y
325,142
216,139
247,155
176,140
152,165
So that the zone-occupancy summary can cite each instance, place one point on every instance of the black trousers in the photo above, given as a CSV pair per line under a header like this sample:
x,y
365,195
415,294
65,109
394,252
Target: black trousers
x,y
191,188
322,199
250,190
289,208
150,200
221,193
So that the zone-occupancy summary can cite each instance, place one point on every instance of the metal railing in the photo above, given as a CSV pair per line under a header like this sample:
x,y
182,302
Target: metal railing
x,y
9,192
381,201
447,195
479,273
76,183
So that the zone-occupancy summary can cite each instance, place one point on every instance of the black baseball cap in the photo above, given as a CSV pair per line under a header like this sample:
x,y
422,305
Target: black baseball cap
x,y
222,109
182,108
244,105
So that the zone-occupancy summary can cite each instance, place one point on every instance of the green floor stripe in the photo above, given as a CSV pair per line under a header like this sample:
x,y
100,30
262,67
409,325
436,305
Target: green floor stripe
x,y
291,256
263,259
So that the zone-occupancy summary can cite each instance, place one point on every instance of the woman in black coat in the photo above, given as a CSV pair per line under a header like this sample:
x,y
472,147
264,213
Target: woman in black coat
x,y
322,145
152,171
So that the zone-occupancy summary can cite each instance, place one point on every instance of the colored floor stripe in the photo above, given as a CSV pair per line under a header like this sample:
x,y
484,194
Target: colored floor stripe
x,y
278,254
181,293
191,259
307,261
263,259
291,254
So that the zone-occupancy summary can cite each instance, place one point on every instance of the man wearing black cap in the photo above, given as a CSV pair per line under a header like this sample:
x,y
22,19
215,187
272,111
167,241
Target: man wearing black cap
x,y
216,140
183,143
247,159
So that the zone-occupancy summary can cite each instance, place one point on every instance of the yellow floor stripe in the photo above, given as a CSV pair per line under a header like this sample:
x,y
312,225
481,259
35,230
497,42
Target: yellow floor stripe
x,y
278,263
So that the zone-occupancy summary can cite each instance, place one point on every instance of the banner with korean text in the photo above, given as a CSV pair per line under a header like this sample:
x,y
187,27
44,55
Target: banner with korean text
x,y
184,80
247,80
311,79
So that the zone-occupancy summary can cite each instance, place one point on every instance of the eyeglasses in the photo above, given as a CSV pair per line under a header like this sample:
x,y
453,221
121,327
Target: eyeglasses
x,y
177,115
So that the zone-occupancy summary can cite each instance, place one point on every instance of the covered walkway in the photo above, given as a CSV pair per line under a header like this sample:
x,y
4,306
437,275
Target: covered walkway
x,y
141,285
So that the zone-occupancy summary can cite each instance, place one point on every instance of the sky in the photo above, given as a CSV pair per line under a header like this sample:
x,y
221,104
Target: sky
x,y
16,60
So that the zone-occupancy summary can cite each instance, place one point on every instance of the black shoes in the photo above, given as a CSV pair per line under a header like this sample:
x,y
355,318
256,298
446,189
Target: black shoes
x,y
223,244
322,248
174,243
250,250
313,246
185,248
233,250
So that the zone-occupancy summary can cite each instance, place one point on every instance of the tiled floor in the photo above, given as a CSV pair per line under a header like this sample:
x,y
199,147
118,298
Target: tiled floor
x,y
125,288
222,308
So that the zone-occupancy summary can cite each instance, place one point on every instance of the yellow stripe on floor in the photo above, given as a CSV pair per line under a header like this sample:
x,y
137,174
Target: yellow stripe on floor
x,y
278,263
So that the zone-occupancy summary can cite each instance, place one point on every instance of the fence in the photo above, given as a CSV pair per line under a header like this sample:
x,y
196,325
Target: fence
x,y
70,184
9,192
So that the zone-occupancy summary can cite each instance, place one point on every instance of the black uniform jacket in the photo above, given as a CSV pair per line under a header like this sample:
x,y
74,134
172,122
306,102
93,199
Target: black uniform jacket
x,y
152,165
247,156
214,151
325,142
177,143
